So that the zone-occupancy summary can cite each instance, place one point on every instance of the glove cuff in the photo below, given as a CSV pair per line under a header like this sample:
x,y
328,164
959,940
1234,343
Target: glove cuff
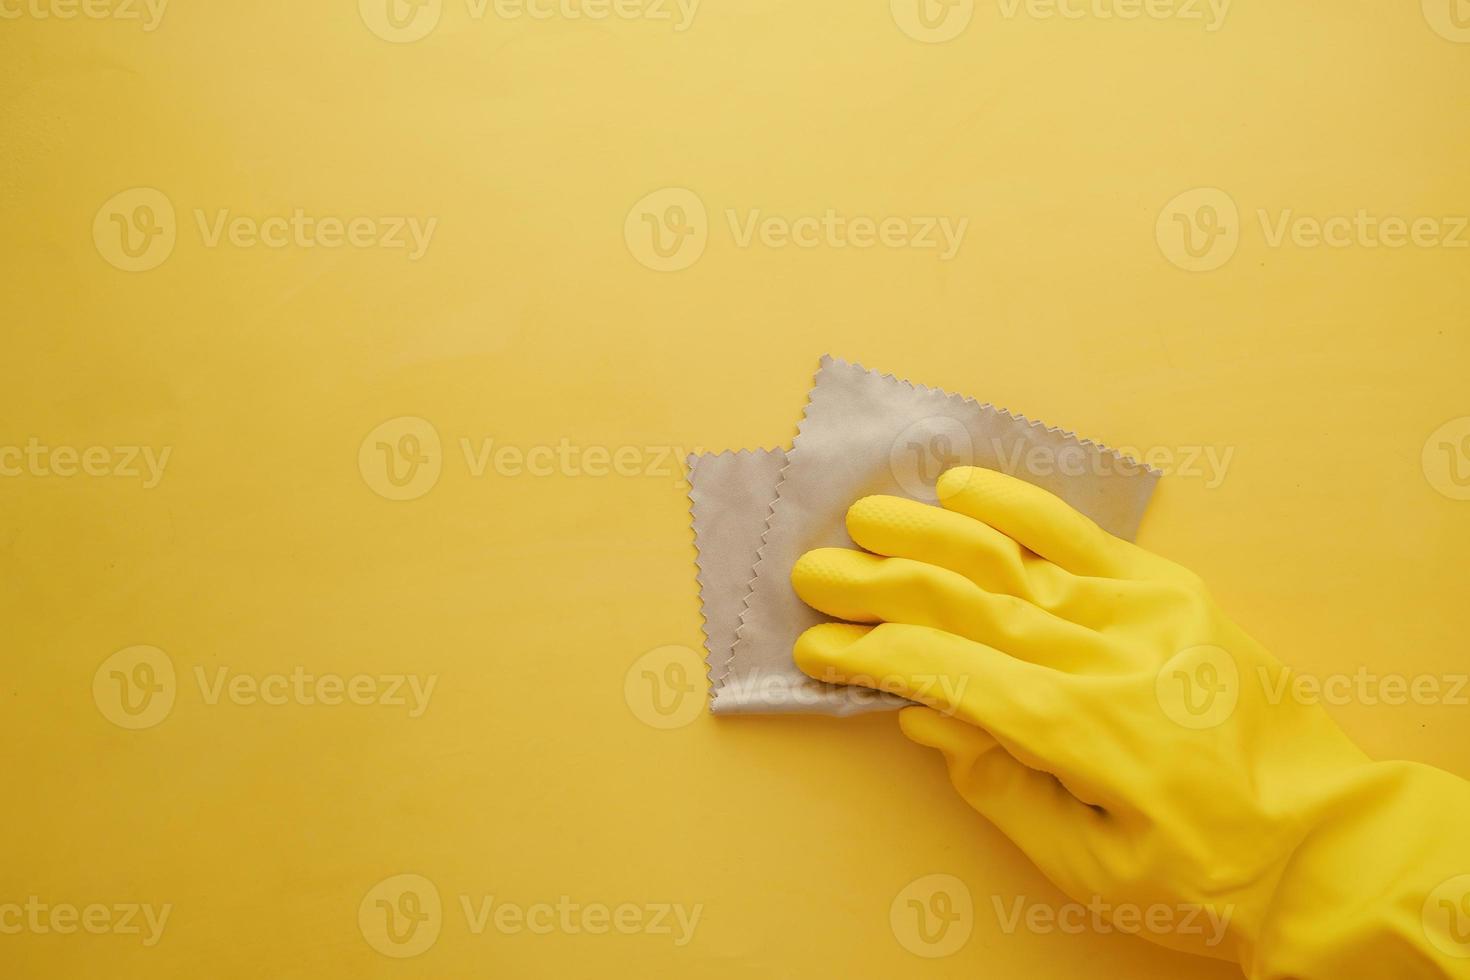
x,y
1379,885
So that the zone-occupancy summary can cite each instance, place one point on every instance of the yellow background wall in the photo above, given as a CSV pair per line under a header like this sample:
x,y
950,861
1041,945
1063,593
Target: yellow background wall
x,y
1337,531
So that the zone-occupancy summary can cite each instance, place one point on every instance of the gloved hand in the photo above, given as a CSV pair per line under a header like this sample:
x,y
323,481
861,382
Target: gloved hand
x,y
1092,702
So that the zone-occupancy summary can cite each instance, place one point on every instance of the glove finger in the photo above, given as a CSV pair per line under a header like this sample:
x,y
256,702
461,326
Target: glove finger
x,y
863,588
902,528
1036,519
1063,836
1023,704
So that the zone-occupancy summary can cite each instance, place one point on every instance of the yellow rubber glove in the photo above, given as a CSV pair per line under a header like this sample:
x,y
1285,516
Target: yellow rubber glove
x,y
1093,703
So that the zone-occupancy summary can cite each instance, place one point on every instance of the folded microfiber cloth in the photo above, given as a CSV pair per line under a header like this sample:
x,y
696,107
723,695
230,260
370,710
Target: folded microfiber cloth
x,y
756,512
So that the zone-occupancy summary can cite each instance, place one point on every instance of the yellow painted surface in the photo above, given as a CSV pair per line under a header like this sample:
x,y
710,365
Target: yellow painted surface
x,y
170,287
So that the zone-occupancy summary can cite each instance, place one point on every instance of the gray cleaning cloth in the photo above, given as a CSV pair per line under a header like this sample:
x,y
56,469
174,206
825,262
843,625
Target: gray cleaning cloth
x,y
730,496
863,433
